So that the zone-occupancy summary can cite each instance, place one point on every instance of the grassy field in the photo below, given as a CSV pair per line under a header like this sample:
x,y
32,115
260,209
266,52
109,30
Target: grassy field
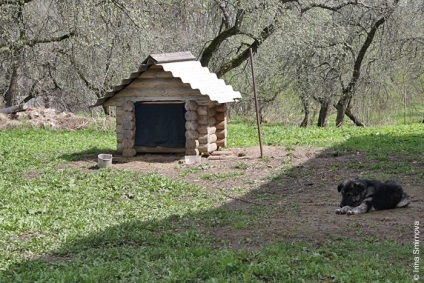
x,y
59,223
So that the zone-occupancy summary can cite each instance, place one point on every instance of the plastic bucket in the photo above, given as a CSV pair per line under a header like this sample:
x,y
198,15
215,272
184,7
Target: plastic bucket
x,y
104,160
192,159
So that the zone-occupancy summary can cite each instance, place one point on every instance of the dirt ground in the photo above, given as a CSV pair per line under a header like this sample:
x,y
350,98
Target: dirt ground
x,y
298,190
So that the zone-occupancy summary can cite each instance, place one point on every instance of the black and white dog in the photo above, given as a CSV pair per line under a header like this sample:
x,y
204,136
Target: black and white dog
x,y
360,196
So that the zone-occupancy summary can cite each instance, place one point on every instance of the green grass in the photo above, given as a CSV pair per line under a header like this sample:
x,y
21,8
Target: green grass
x,y
368,138
59,223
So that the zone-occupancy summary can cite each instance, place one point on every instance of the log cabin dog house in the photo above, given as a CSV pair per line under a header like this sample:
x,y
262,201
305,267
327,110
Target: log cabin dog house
x,y
171,104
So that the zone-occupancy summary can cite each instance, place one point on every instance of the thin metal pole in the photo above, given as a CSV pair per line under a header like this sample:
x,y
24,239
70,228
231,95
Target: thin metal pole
x,y
258,117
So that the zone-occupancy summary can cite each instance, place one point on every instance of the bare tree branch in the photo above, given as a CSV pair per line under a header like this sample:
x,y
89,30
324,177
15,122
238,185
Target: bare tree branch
x,y
33,42
226,15
238,60
326,7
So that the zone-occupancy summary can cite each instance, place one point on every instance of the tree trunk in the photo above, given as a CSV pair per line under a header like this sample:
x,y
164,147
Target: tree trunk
x,y
324,112
12,90
341,107
344,108
307,111
106,110
349,90
353,117
305,122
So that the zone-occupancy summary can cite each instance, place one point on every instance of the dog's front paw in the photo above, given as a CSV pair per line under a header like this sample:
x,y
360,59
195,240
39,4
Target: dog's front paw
x,y
343,210
340,211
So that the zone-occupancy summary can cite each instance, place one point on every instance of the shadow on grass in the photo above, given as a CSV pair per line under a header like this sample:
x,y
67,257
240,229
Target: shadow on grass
x,y
265,234
92,153
86,155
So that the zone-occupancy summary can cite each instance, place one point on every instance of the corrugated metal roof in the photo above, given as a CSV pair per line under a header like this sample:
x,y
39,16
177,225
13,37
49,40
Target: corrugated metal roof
x,y
182,65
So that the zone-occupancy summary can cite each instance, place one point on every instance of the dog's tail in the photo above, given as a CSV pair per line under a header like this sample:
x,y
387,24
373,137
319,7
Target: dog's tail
x,y
405,201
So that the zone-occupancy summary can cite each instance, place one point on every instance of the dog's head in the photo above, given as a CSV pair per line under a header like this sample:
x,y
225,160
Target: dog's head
x,y
353,192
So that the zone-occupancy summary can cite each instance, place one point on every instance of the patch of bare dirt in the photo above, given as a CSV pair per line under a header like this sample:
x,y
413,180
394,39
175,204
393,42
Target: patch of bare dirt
x,y
297,189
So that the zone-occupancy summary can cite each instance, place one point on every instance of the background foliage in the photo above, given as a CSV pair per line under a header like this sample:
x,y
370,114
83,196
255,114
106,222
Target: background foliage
x,y
363,57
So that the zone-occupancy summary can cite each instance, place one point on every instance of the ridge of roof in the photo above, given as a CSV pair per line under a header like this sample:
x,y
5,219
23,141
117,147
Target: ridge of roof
x,y
170,57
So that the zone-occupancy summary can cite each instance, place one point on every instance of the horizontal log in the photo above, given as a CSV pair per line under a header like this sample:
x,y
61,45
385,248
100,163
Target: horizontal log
x,y
207,139
118,100
128,118
206,120
182,91
128,134
192,144
128,143
191,135
190,152
191,116
191,105
220,116
156,73
221,107
221,142
211,112
119,117
191,125
14,109
129,152
222,125
202,110
128,125
221,134
128,106
119,129
157,83
206,129
208,148
119,111
156,67
115,101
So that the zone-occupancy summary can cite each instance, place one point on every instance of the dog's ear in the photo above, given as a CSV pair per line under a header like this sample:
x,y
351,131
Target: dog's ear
x,y
341,185
359,185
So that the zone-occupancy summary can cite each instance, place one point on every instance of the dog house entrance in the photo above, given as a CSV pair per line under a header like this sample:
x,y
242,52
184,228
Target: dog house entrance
x,y
160,124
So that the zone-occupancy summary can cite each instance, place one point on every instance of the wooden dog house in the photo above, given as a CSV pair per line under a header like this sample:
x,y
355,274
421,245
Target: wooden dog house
x,y
171,104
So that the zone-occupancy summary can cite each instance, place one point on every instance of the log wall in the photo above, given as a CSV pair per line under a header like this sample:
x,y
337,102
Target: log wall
x,y
125,129
206,129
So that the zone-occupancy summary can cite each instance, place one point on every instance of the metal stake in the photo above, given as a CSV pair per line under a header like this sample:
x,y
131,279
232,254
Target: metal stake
x,y
258,117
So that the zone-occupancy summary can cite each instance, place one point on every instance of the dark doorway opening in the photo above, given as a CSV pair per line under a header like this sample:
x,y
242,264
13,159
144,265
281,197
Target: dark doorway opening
x,y
160,124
